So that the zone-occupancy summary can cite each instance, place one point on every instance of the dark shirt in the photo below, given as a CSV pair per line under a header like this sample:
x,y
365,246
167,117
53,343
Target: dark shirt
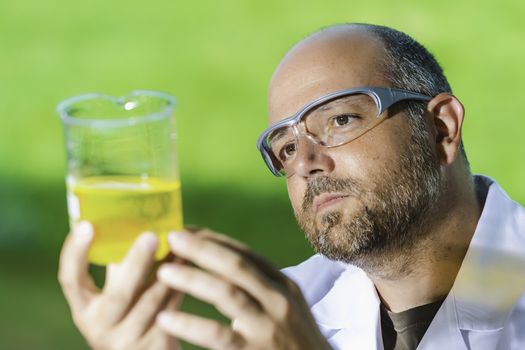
x,y
404,330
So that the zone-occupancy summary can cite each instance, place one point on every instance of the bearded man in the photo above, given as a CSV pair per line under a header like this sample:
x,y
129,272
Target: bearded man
x,y
413,251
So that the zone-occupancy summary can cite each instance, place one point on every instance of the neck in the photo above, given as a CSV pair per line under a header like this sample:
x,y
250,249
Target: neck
x,y
426,272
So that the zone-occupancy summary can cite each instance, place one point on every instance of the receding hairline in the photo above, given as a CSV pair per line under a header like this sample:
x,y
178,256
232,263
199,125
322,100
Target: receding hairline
x,y
334,32
362,27
339,31
349,30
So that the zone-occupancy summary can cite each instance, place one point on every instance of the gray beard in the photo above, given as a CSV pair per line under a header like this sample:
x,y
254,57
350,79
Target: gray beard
x,y
390,221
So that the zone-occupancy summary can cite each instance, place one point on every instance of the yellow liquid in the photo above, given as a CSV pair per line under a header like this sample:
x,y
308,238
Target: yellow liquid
x,y
121,208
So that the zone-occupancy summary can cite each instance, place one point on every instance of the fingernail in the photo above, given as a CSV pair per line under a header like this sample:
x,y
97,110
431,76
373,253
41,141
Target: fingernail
x,y
177,240
164,273
83,232
148,241
164,319
167,272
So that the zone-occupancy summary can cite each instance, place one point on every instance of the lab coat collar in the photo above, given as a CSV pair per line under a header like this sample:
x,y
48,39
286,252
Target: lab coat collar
x,y
481,298
490,279
350,310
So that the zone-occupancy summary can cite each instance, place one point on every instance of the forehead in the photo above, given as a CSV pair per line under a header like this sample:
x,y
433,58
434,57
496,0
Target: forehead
x,y
321,64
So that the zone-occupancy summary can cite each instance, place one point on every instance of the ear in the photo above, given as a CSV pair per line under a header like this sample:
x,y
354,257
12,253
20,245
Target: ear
x,y
448,114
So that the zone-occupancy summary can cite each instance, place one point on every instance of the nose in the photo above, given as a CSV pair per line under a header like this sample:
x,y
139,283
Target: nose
x,y
312,159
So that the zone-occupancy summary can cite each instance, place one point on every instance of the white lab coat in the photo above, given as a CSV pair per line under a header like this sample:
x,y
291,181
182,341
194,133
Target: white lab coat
x,y
485,309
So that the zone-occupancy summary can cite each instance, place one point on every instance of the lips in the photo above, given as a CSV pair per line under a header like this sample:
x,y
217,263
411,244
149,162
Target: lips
x,y
327,199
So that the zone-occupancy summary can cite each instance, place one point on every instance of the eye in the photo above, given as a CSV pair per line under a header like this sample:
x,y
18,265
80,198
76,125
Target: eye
x,y
287,151
343,119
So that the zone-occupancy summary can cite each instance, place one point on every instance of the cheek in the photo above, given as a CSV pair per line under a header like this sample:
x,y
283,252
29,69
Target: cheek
x,y
369,160
296,190
364,164
371,155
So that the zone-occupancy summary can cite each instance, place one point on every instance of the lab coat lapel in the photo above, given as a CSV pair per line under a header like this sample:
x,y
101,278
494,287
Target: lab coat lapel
x,y
491,278
349,313
489,282
444,333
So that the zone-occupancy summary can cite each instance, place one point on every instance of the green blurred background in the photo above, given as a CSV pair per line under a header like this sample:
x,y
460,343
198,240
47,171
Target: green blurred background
x,y
217,58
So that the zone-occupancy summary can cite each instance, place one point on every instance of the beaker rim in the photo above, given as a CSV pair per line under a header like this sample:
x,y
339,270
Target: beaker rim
x,y
67,118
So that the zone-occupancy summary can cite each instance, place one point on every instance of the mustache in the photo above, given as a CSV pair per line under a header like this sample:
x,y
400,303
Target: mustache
x,y
325,184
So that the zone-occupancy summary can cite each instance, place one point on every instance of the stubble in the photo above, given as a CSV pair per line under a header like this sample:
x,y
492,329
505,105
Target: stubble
x,y
390,215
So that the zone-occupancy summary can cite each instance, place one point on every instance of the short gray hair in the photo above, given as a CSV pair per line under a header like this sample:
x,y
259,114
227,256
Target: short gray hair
x,y
410,66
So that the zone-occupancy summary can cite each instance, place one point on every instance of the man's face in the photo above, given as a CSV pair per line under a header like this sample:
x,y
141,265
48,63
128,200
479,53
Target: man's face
x,y
362,200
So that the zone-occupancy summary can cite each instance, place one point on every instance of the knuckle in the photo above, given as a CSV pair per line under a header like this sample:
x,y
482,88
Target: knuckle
x,y
261,330
231,292
63,278
202,232
237,264
231,298
281,306
271,329
118,297
217,332
70,289
188,274
64,281
223,335
292,286
196,246
156,292
78,320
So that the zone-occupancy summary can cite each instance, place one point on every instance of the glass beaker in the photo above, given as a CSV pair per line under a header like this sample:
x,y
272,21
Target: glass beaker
x,y
122,172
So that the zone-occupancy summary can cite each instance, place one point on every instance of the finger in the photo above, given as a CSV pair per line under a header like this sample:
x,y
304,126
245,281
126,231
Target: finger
x,y
200,331
126,280
156,338
268,268
142,316
229,264
230,300
175,301
73,273
221,238
126,337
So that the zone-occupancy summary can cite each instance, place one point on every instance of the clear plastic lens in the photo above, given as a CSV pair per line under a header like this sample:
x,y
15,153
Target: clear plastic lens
x,y
282,143
330,124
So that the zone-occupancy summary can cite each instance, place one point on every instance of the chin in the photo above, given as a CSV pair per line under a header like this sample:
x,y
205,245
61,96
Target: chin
x,y
349,236
332,237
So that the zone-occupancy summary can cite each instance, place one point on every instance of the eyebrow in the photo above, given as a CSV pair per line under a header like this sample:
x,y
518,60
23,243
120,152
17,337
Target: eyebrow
x,y
328,106
278,134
